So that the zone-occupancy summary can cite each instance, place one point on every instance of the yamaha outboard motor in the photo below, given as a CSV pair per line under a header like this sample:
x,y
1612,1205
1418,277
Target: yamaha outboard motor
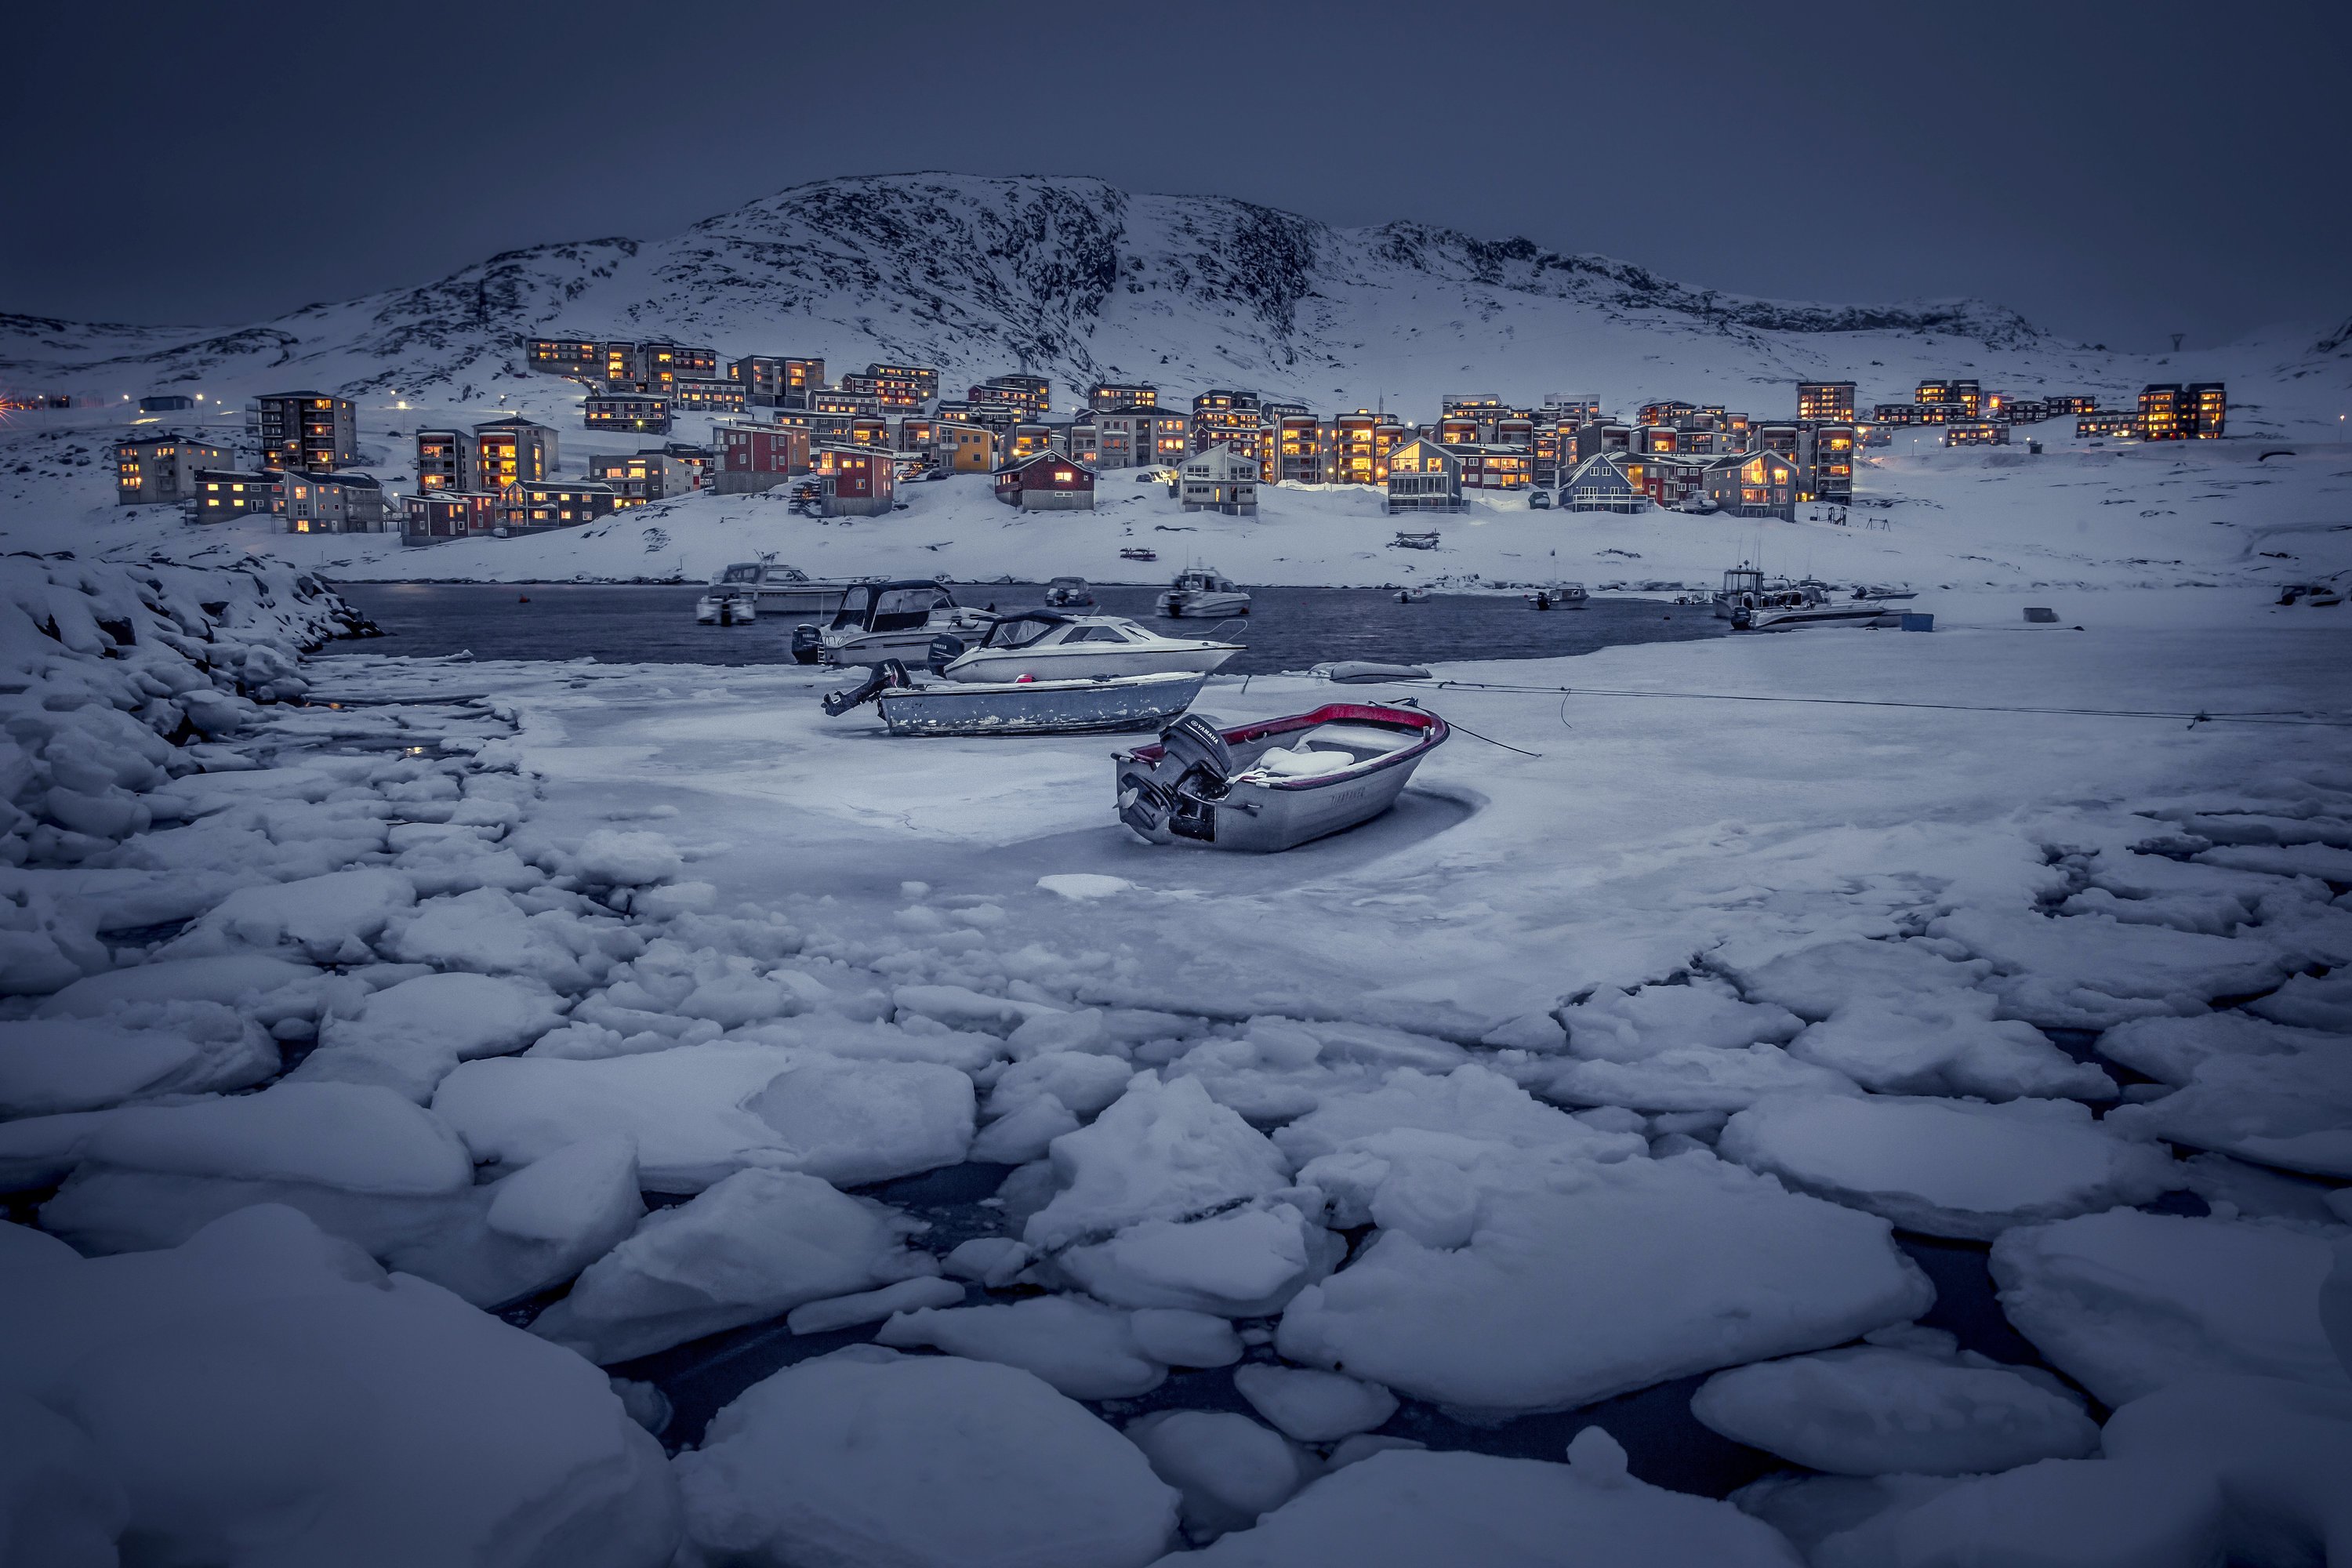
x,y
945,650
807,643
886,675
1170,795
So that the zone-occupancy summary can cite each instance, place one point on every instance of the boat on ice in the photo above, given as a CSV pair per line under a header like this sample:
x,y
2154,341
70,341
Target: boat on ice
x,y
782,590
884,620
1201,593
1071,706
1139,553
1876,591
1276,783
1068,594
1561,596
727,607
1789,609
1046,644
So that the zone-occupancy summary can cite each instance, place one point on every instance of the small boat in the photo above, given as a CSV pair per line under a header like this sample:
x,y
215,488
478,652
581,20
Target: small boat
x,y
1790,609
1413,596
1020,707
1138,554
2323,597
886,620
783,590
1275,784
727,607
1404,541
1199,591
1045,645
1068,594
1872,591
1560,596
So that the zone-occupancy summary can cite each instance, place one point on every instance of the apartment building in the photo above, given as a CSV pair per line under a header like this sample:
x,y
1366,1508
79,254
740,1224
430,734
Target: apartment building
x,y
754,457
513,448
446,460
162,468
315,432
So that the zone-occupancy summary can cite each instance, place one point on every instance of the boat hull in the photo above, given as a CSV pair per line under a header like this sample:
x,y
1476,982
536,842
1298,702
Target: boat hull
x,y
1040,707
1085,662
1203,606
1264,818
1812,616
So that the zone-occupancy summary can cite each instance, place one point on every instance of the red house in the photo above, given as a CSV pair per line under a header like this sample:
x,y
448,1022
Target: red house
x,y
759,457
858,481
1046,482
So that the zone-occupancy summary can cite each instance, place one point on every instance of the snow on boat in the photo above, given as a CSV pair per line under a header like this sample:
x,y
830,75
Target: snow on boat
x,y
1275,784
1021,707
1199,591
1044,645
886,620
727,607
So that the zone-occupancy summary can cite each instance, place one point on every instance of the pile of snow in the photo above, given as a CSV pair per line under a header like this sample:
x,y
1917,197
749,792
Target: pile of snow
x,y
532,1231
866,1456
262,1393
1947,1167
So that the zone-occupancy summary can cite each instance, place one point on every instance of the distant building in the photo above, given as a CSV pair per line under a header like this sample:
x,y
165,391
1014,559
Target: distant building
x,y
1012,398
1026,438
1601,483
221,494
2169,411
315,432
1895,413
1073,438
1572,407
1357,446
1141,435
2061,404
1761,483
152,468
1108,395
446,460
1970,433
847,398
513,448
1293,449
431,516
1600,436
1825,462
1422,476
580,358
1222,479
754,457
643,476
1222,416
165,403
963,449
1655,438
902,386
533,504
332,504
1048,481
771,381
707,395
855,481
2103,422
1496,468
1830,401
1668,480
643,412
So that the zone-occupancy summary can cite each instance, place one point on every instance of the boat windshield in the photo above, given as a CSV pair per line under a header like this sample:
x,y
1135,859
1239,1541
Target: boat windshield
x,y
786,575
854,605
1016,632
746,573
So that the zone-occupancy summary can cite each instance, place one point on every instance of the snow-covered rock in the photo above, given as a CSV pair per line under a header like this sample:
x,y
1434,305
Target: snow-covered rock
x,y
1086,1349
1313,1406
2126,1303
363,1164
752,1247
1405,1509
701,1113
1875,1410
409,1037
1948,1167
869,1458
262,1393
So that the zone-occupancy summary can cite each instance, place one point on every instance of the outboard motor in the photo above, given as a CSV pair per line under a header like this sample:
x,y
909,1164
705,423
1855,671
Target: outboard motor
x,y
1172,795
808,644
886,675
944,651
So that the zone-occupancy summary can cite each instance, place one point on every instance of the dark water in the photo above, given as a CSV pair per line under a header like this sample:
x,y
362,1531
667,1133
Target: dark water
x,y
1288,628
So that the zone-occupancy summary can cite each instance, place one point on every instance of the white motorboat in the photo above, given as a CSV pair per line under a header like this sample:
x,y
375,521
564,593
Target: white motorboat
x,y
1068,594
727,607
1789,609
1045,645
1560,596
885,620
1276,784
782,590
1200,592
1019,707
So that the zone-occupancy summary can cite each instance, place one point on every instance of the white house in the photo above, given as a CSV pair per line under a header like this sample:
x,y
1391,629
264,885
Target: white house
x,y
1220,480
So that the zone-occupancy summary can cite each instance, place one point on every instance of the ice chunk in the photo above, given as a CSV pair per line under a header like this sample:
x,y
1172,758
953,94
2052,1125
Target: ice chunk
x,y
325,919
1084,1349
866,1457
1243,1263
1472,1103
1313,1406
1873,1410
227,979
2126,1303
2280,1451
50,1065
60,1506
1693,1078
2310,1001
1027,1130
1613,1024
1407,1509
1949,1167
701,1113
263,1394
536,1228
2057,1513
2091,971
1161,1152
608,857
872,1306
1081,886
1580,1280
992,1260
752,1246
2170,1050
2294,1111
1229,1468
409,1038
363,1164
1184,1339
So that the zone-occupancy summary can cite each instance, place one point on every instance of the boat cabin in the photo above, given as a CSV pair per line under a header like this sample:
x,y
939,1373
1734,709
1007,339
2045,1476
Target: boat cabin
x,y
1200,579
1046,628
889,606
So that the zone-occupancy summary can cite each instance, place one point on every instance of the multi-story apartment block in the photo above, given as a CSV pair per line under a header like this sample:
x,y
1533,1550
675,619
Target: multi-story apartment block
x,y
843,399
1572,407
446,460
1663,412
315,432
1356,447
1774,436
582,359
1825,462
149,469
648,476
2103,422
1104,396
771,381
1826,400
2169,411
903,385
642,412
707,395
753,458
1490,467
913,434
964,448
506,450
1293,449
1601,436
1073,438
2061,404
1138,436
330,503
1224,416
1010,397
1026,438
1971,432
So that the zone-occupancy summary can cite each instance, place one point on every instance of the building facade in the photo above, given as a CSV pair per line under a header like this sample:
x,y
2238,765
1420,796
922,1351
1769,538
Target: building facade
x,y
1048,481
1422,476
754,457
855,481
639,413
315,432
540,504
774,381
510,450
643,476
1601,483
332,504
152,468
446,460
1220,480
2170,411
1754,484
1108,394
225,493
1828,401
435,515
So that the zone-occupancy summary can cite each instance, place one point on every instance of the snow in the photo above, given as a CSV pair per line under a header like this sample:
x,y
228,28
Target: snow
x,y
1243,1263
2078,1513
1313,1406
1585,1280
330,917
1163,1151
1874,1410
1949,1167
2126,1303
896,1461
263,1394
1405,1507
1086,1349
59,1504
2290,1109
535,1229
703,1112
1229,1468
1180,1338
409,1037
748,1248
49,1065
2278,1450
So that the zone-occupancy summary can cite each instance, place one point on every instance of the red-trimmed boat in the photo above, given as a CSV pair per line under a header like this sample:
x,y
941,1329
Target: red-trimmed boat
x,y
1276,783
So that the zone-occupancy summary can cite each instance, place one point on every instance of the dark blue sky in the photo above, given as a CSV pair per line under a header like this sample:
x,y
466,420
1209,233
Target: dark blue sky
x,y
2115,172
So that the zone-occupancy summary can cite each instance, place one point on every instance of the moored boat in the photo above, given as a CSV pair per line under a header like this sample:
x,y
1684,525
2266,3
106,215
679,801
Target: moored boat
x,y
883,620
782,590
1068,594
727,607
1276,783
1020,707
1201,593
1045,645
